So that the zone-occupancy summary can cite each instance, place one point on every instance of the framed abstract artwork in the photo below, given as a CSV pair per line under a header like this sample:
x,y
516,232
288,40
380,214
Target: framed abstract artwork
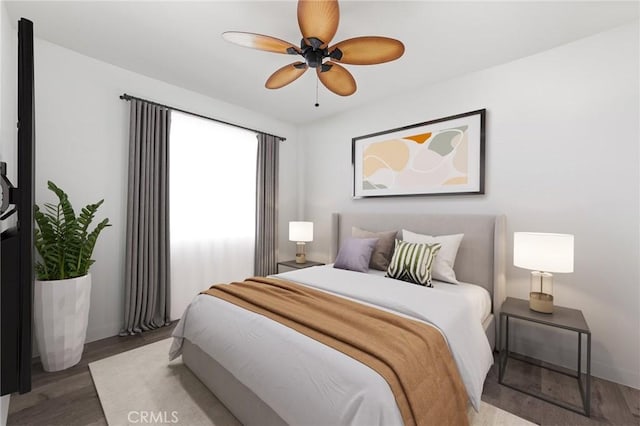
x,y
437,157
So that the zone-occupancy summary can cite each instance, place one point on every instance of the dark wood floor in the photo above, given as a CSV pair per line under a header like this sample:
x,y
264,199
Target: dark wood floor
x,y
611,403
69,398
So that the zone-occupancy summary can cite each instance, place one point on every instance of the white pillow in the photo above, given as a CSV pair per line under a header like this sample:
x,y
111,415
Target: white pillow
x,y
443,265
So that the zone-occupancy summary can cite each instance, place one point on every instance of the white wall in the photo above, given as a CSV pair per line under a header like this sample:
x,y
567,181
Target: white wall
x,y
8,118
82,141
562,156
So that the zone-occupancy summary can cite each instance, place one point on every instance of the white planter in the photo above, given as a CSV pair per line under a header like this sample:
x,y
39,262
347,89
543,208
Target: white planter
x,y
61,313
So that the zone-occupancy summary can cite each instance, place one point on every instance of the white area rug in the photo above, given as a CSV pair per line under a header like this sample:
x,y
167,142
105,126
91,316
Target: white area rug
x,y
141,387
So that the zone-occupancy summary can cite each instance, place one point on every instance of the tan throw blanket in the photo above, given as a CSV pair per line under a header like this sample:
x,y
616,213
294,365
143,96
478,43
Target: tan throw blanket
x,y
411,356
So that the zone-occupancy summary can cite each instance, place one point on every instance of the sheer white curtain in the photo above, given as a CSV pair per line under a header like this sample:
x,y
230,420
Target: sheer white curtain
x,y
212,199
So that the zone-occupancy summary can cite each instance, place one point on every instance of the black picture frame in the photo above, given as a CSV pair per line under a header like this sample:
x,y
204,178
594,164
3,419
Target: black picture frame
x,y
444,156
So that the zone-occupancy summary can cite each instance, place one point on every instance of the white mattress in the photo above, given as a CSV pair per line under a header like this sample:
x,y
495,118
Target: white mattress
x,y
299,378
478,297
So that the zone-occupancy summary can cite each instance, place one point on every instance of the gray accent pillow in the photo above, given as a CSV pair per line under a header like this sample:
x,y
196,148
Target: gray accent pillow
x,y
355,254
384,248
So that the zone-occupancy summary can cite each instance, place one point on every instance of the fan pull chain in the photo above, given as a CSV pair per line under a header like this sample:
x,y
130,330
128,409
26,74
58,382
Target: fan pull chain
x,y
317,104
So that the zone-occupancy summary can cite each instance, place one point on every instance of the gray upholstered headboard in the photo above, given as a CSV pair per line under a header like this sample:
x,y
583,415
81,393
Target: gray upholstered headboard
x,y
481,256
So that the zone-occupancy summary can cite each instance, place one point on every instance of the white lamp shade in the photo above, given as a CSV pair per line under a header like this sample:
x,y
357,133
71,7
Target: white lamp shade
x,y
301,231
543,252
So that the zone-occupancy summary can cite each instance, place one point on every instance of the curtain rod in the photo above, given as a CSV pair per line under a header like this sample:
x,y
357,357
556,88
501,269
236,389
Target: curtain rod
x,y
127,97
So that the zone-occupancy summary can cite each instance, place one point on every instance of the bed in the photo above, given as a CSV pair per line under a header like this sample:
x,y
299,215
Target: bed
x,y
267,374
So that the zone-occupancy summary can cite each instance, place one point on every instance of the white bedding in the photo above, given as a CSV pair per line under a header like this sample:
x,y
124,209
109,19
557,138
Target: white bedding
x,y
479,298
304,381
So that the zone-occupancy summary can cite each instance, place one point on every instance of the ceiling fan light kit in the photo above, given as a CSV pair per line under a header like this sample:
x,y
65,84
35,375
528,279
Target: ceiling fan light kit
x,y
318,22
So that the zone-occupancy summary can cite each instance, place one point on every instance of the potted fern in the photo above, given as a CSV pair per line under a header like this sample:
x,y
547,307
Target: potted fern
x,y
62,289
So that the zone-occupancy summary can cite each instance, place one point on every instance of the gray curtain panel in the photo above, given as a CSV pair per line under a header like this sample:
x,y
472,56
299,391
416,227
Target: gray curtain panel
x,y
147,262
266,253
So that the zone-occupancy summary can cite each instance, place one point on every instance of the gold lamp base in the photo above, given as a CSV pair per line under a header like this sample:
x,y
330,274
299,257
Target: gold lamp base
x,y
300,256
541,302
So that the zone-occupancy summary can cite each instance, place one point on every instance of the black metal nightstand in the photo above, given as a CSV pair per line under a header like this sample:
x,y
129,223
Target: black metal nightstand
x,y
564,318
293,265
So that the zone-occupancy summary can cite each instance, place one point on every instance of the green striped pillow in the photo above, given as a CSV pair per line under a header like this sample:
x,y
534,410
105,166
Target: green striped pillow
x,y
412,262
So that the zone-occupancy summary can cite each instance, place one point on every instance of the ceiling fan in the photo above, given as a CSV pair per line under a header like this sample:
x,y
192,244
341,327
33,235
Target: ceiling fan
x,y
318,21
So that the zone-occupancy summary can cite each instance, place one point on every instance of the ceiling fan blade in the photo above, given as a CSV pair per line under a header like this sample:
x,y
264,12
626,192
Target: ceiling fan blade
x,y
367,50
337,79
286,75
318,19
260,42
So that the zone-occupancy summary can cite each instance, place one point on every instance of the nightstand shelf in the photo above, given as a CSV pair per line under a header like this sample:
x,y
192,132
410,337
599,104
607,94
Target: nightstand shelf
x,y
563,318
293,265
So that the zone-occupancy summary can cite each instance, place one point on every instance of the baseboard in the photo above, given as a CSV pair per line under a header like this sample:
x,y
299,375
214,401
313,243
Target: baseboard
x,y
618,375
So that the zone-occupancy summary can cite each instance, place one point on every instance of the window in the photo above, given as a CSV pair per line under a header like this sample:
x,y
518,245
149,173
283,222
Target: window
x,y
212,170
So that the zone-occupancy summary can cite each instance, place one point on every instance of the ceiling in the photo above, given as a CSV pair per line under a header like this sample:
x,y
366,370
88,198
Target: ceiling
x,y
180,42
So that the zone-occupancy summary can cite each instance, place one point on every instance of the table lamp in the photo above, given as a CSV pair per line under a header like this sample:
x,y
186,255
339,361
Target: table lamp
x,y
542,254
300,232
